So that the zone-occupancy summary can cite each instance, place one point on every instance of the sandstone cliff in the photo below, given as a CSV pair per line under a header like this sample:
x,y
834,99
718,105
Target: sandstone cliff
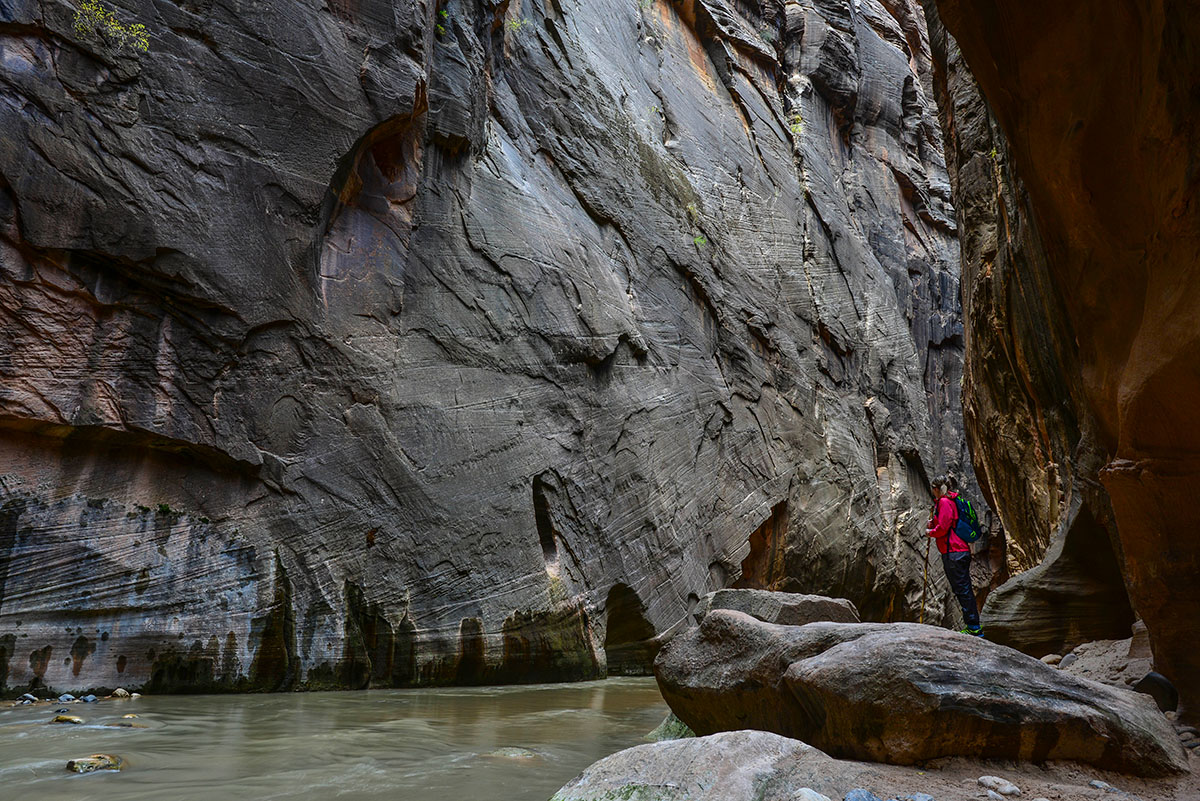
x,y
400,342
1083,256
1032,431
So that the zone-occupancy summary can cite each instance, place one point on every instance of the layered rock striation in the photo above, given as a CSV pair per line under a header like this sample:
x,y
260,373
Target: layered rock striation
x,y
393,342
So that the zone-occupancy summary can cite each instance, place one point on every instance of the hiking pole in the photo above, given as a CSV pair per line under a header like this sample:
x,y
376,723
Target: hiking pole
x,y
925,583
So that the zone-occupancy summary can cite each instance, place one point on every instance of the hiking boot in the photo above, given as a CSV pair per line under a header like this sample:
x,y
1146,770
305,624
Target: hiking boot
x,y
974,631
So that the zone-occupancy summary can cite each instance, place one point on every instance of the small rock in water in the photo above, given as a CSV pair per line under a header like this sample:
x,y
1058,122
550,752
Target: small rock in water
x,y
66,698
135,695
61,711
1052,659
513,753
95,762
28,698
998,785
89,699
120,692
861,795
66,719
808,794
131,715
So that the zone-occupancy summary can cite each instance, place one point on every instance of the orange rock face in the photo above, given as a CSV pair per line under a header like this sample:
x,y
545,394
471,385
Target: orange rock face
x,y
1099,104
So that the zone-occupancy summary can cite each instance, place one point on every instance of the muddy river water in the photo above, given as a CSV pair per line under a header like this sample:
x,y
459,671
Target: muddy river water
x,y
449,744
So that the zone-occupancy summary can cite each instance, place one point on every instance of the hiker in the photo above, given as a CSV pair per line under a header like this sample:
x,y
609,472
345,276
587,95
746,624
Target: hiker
x,y
956,554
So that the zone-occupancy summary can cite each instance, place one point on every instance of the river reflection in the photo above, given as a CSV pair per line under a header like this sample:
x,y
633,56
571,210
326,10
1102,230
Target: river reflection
x,y
450,744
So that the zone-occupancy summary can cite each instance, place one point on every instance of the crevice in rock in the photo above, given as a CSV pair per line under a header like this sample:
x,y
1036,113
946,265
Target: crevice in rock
x,y
541,516
764,568
628,637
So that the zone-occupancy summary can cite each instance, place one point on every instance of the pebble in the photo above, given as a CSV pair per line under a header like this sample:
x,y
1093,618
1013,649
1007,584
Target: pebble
x,y
66,719
66,698
1099,785
135,695
61,711
1052,659
1068,660
918,797
129,717
807,794
120,692
861,795
994,796
28,698
95,762
1188,730
998,785
89,699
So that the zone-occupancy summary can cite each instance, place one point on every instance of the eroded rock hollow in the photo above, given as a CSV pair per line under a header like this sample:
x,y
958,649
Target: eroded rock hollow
x,y
399,342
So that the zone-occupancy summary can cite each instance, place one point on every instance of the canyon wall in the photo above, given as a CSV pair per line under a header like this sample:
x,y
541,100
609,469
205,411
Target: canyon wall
x,y
1037,454
390,343
1083,259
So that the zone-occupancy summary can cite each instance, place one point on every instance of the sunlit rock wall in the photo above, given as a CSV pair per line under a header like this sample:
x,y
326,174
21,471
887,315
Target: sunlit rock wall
x,y
394,343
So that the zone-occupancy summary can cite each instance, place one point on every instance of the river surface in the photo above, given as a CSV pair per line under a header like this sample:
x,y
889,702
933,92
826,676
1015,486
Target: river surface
x,y
448,744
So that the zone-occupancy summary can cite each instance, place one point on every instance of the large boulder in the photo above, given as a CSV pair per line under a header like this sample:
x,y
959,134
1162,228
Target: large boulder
x,y
904,693
784,608
730,766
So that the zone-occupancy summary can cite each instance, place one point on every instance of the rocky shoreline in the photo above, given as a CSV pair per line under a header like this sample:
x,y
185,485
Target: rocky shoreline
x,y
843,711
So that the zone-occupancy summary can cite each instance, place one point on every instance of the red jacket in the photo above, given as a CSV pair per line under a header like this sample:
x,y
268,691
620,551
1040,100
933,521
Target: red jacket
x,y
945,516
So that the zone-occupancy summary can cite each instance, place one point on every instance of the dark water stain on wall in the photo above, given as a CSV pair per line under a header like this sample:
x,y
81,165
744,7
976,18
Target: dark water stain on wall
x,y
81,650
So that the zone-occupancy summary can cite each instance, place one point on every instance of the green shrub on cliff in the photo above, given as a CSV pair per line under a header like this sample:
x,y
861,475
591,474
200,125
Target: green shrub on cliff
x,y
93,19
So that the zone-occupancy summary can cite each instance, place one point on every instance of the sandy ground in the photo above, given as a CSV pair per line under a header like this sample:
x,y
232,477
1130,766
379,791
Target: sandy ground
x,y
958,780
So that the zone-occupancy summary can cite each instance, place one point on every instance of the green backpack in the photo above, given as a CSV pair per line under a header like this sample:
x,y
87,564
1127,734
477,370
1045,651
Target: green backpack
x,y
967,528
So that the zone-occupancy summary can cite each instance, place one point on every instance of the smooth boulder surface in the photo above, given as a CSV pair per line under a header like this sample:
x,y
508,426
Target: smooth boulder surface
x,y
731,766
903,693
783,608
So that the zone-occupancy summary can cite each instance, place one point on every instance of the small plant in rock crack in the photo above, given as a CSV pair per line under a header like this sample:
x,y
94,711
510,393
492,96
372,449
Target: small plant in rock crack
x,y
995,156
796,124
92,19
699,241
515,24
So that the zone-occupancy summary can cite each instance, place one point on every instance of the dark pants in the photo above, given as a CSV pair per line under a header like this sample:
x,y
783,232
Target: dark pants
x,y
958,571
